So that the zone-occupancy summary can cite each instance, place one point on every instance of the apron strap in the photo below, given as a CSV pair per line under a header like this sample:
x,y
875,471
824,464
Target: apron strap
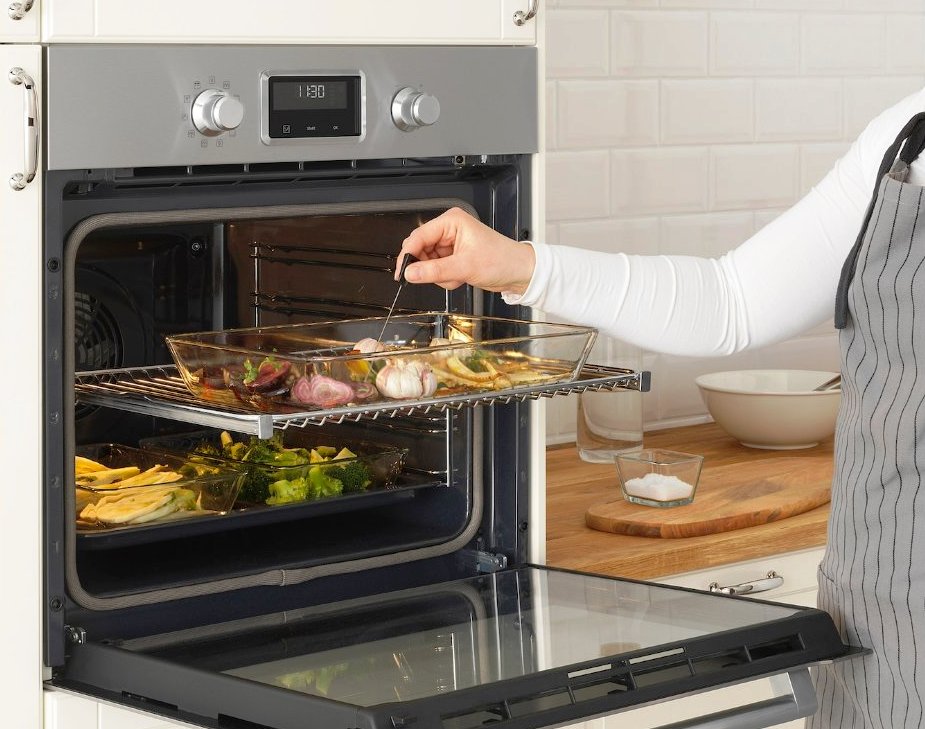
x,y
913,134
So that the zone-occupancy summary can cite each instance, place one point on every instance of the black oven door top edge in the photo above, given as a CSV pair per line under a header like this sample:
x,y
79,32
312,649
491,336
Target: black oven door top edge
x,y
526,647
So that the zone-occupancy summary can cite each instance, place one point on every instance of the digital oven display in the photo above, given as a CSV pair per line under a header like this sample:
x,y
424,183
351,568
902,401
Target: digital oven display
x,y
291,95
314,106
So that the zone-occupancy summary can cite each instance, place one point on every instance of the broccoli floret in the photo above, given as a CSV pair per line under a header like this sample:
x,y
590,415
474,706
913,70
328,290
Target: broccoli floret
x,y
318,485
205,448
323,485
291,457
354,475
235,451
287,492
256,487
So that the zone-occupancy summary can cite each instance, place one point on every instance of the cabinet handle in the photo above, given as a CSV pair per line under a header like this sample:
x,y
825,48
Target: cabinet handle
x,y
521,17
17,11
772,581
18,77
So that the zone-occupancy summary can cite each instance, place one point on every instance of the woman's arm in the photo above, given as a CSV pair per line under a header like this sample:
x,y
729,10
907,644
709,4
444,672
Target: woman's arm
x,y
778,283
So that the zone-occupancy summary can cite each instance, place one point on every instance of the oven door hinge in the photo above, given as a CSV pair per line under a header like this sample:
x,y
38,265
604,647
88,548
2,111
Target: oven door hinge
x,y
75,635
486,562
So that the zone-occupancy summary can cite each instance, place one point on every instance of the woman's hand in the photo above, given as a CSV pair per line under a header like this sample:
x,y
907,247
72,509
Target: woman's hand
x,y
457,249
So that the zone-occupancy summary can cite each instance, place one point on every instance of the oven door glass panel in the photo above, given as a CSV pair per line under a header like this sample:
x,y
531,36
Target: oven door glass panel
x,y
533,644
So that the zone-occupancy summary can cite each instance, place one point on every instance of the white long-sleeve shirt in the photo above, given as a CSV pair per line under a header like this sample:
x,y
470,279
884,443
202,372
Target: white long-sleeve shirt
x,y
778,283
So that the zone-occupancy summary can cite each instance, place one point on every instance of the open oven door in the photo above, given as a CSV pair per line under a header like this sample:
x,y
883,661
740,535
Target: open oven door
x,y
526,647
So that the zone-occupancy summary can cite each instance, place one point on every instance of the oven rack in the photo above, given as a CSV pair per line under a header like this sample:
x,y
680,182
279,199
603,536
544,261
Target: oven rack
x,y
159,391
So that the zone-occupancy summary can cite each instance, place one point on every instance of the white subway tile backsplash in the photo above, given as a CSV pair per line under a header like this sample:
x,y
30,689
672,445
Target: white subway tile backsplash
x,y
621,4
577,43
905,49
659,43
840,44
798,109
677,393
552,104
577,185
885,6
709,4
625,235
763,217
607,113
816,160
745,177
552,233
704,111
709,235
803,5
754,44
865,98
805,353
659,180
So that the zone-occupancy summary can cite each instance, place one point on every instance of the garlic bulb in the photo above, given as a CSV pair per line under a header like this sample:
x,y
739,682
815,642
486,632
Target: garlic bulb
x,y
406,380
368,345
442,351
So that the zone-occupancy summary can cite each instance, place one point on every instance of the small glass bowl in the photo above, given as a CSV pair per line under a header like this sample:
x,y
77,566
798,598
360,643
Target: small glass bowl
x,y
657,477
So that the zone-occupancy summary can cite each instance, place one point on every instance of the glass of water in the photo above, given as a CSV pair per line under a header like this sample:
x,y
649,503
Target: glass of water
x,y
610,422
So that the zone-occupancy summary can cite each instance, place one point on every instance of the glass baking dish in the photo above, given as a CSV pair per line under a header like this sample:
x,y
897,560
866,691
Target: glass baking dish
x,y
276,470
304,367
142,487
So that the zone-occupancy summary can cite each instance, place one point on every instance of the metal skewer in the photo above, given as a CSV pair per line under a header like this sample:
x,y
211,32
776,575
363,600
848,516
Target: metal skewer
x,y
401,282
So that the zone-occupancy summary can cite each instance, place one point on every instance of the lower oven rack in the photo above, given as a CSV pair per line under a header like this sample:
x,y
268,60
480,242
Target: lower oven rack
x,y
159,391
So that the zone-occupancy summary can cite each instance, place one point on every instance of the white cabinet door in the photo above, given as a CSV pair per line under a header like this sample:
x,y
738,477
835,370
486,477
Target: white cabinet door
x,y
19,21
21,424
796,570
64,710
288,21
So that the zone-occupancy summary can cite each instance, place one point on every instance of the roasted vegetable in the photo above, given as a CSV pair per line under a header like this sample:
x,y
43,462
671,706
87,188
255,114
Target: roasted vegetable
x,y
139,506
406,380
354,476
265,485
318,485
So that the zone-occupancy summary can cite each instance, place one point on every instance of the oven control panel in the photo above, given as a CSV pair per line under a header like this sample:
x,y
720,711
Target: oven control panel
x,y
249,104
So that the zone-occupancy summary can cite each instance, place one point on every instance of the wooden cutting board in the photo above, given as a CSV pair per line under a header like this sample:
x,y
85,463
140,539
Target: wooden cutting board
x,y
728,497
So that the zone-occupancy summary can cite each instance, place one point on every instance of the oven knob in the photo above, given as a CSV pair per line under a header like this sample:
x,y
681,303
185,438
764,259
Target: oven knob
x,y
412,109
217,111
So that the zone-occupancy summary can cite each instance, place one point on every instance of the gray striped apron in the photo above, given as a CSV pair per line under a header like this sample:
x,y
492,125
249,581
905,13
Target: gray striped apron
x,y
872,578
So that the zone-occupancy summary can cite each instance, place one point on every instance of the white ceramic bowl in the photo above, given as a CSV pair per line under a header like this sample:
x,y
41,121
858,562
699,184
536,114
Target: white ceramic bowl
x,y
775,409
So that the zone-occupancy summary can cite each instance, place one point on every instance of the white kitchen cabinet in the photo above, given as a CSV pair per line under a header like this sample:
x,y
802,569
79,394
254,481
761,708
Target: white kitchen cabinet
x,y
21,426
289,21
19,21
797,569
64,710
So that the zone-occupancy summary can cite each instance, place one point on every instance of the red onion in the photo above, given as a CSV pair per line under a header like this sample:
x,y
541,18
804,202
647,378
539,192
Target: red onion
x,y
269,375
365,390
328,392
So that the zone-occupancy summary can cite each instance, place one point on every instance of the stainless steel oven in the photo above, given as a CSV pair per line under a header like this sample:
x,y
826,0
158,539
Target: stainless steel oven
x,y
213,187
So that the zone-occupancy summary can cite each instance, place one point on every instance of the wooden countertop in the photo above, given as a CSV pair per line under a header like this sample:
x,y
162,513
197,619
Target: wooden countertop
x,y
573,486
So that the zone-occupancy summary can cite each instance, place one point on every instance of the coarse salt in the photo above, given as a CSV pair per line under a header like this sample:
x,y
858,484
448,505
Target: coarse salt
x,y
657,487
